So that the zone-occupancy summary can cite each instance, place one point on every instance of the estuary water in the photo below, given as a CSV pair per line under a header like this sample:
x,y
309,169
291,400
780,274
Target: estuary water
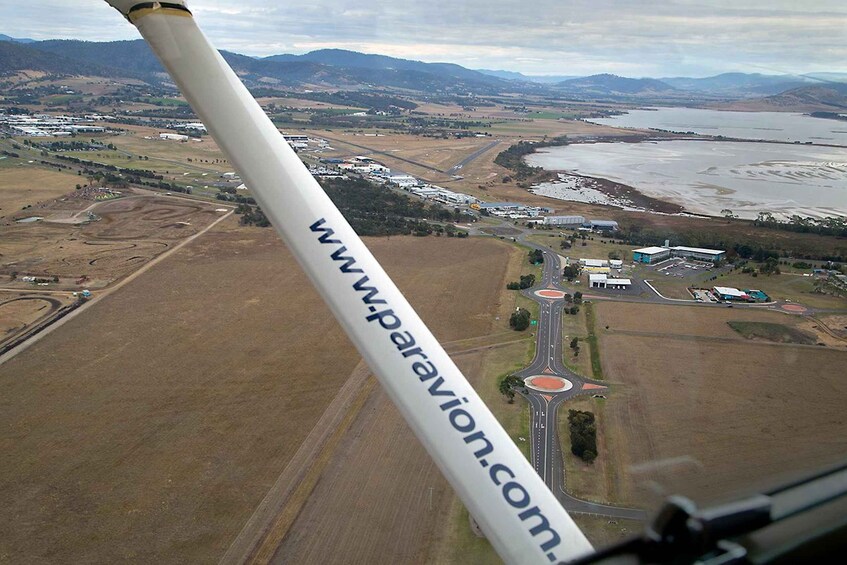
x,y
707,177
768,126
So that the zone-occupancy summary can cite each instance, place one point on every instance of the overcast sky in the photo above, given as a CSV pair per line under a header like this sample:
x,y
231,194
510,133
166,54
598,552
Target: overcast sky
x,y
562,37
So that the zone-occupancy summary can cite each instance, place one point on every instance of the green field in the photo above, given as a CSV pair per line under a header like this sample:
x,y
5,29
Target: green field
x,y
595,247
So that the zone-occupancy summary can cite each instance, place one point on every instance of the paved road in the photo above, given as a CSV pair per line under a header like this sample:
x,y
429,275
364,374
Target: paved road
x,y
546,452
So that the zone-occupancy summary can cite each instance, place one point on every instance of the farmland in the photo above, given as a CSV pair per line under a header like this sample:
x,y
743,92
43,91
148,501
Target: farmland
x,y
754,413
24,184
150,427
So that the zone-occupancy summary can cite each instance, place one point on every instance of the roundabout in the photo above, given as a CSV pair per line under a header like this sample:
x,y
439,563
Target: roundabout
x,y
547,383
550,293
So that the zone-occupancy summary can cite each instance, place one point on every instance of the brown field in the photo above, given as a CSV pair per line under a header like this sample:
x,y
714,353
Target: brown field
x,y
711,418
23,184
131,231
151,426
837,323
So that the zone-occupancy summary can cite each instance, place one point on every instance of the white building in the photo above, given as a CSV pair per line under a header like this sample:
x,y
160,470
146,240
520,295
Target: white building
x,y
599,280
173,136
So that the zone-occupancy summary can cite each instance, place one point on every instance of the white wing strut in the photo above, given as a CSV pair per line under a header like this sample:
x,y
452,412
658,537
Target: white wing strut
x,y
518,513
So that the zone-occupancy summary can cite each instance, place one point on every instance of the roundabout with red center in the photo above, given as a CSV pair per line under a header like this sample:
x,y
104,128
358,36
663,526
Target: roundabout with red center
x,y
549,293
547,383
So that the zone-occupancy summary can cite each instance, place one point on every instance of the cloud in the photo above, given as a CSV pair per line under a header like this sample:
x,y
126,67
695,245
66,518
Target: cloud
x,y
639,38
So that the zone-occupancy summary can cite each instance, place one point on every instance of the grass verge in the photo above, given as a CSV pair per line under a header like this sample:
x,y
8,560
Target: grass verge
x,y
594,346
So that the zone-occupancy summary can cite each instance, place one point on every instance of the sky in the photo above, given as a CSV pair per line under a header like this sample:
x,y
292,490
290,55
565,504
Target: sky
x,y
634,38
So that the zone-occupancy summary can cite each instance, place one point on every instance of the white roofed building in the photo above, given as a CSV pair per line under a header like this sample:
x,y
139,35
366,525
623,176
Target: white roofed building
x,y
650,254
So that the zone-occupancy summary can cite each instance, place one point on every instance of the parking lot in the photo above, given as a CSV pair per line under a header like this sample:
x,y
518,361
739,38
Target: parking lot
x,y
683,268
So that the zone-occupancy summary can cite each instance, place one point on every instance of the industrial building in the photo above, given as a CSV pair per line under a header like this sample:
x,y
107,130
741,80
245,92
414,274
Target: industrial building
x,y
44,125
403,181
572,222
729,293
650,254
713,255
602,225
599,280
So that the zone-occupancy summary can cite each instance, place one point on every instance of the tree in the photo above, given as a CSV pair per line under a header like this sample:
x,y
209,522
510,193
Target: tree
x,y
572,271
577,297
519,321
506,389
615,255
575,343
507,386
536,256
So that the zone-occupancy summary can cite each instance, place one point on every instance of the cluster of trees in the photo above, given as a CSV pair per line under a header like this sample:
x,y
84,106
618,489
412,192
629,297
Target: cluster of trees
x,y
235,198
836,226
536,256
71,145
736,245
770,266
508,385
572,302
526,281
512,158
575,346
583,430
519,321
373,210
252,216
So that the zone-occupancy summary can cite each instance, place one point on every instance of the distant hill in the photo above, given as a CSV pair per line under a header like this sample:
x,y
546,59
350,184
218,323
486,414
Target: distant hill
x,y
830,97
606,84
738,85
23,57
410,71
507,75
4,37
133,58
328,67
833,95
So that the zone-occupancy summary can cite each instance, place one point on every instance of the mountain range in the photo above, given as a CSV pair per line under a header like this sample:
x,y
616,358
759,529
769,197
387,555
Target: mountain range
x,y
337,68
